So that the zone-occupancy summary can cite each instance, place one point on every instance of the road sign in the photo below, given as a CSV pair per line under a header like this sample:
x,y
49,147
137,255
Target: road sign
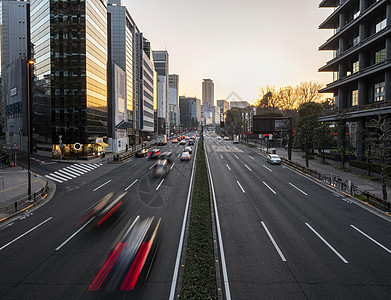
x,y
14,147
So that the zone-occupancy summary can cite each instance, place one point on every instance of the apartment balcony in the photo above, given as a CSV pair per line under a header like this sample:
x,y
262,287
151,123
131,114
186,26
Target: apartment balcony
x,y
352,113
332,20
329,3
333,42
332,65
368,71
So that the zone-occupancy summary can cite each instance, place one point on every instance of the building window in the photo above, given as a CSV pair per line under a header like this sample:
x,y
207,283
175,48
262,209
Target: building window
x,y
381,25
356,15
356,40
354,97
355,67
380,56
379,91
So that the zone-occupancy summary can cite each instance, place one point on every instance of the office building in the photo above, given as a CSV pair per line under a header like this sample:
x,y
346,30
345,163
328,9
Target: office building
x,y
70,114
15,34
208,92
161,63
361,63
238,104
173,96
190,112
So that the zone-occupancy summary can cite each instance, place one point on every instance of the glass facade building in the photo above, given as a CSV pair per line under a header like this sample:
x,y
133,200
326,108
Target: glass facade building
x,y
69,89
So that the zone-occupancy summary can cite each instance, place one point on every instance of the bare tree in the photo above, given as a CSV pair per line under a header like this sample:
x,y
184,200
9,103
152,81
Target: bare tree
x,y
268,98
287,97
380,137
307,91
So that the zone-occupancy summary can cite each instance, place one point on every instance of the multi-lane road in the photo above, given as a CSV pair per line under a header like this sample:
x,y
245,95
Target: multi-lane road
x,y
48,254
281,235
287,237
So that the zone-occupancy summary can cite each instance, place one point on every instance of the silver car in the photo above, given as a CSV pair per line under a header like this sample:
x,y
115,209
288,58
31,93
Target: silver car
x,y
274,159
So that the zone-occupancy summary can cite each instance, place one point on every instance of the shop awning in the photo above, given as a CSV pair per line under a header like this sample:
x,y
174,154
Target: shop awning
x,y
103,144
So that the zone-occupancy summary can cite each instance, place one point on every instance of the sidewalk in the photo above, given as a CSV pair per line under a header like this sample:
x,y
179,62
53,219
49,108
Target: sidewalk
x,y
14,184
371,186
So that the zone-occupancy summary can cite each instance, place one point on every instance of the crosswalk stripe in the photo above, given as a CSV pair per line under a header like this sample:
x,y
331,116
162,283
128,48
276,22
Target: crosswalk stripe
x,y
58,177
74,169
85,168
52,178
66,173
62,175
81,168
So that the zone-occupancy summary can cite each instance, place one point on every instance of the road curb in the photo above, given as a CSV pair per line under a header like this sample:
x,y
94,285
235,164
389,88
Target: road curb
x,y
50,193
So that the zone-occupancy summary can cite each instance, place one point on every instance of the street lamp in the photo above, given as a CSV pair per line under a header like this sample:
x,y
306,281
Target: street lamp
x,y
30,62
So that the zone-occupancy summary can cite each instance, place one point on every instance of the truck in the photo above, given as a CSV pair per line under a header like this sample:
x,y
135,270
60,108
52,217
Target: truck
x,y
161,140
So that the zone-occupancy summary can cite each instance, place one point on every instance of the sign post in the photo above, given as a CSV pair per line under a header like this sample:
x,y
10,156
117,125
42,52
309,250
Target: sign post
x,y
77,147
61,145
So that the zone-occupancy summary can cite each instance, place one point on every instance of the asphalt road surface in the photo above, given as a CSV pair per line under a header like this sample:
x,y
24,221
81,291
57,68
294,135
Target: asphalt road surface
x,y
287,237
51,254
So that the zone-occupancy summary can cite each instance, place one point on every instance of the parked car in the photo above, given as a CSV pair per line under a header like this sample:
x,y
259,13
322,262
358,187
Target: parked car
x,y
188,149
141,152
185,156
274,159
154,153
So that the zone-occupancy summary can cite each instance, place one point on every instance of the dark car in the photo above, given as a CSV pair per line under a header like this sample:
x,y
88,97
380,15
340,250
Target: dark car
x,y
167,156
162,167
141,152
191,142
154,153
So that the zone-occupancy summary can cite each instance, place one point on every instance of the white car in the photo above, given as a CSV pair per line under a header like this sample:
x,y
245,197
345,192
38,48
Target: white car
x,y
226,138
185,156
188,149
274,159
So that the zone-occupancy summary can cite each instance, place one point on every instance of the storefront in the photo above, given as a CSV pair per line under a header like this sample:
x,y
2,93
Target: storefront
x,y
78,151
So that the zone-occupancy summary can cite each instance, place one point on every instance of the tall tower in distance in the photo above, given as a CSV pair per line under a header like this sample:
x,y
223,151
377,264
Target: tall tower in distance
x,y
208,96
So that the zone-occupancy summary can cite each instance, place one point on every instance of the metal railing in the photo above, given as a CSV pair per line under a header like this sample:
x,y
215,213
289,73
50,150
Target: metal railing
x,y
25,202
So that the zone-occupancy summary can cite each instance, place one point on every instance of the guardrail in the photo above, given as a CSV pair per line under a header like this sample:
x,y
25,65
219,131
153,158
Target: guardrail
x,y
25,202
338,183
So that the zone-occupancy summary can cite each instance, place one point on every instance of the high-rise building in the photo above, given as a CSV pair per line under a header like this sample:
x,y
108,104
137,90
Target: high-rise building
x,y
70,77
224,106
361,64
208,92
15,49
161,62
190,111
173,95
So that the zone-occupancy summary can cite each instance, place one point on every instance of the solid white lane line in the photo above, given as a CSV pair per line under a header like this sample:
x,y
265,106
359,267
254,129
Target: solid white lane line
x,y
152,166
71,172
66,173
131,185
236,156
52,178
172,166
248,168
367,236
251,157
179,155
159,184
273,241
241,187
27,232
219,235
62,175
101,185
328,245
228,167
180,246
298,189
57,176
269,187
71,237
267,168
221,156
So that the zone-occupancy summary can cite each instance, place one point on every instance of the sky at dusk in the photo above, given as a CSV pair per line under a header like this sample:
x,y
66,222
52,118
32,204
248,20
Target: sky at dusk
x,y
241,45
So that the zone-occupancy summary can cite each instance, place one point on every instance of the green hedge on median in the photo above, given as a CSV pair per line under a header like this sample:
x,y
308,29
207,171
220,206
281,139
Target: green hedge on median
x,y
199,278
